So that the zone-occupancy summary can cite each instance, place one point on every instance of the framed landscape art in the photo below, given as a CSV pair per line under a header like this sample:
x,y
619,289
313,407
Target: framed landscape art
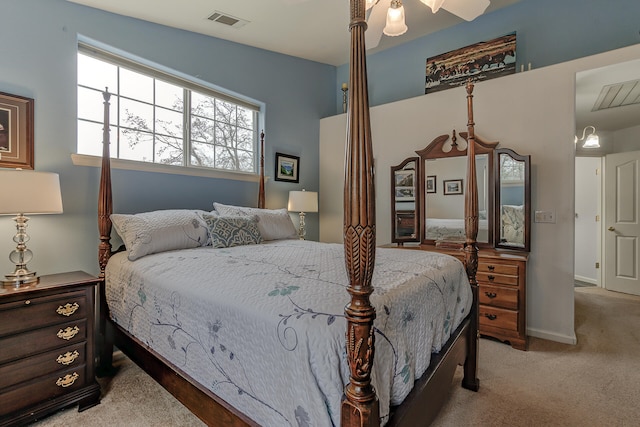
x,y
287,168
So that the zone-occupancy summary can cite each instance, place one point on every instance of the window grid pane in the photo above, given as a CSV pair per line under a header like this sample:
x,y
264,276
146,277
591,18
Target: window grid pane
x,y
149,121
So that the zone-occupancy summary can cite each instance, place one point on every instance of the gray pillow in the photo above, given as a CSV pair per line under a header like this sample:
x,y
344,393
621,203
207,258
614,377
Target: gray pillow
x,y
274,224
226,231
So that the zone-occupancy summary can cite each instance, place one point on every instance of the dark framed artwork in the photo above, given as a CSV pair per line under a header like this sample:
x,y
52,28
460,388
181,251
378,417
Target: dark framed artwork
x,y
16,131
287,168
431,184
452,186
478,62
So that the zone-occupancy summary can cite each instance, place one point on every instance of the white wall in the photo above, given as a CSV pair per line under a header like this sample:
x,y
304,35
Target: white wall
x,y
531,112
588,196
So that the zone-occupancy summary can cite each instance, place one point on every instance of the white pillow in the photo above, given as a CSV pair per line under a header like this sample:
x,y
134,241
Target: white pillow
x,y
158,231
274,224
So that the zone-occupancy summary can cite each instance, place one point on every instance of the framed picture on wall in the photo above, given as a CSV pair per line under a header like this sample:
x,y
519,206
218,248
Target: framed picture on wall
x,y
287,168
16,131
431,184
452,186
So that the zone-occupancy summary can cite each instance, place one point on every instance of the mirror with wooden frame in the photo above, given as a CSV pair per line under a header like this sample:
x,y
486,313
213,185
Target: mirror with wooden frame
x,y
405,202
443,164
513,200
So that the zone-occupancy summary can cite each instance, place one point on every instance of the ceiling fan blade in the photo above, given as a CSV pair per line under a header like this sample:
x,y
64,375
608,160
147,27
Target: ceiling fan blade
x,y
375,23
466,9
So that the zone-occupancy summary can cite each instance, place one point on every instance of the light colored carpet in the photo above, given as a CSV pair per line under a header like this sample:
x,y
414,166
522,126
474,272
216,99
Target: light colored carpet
x,y
594,383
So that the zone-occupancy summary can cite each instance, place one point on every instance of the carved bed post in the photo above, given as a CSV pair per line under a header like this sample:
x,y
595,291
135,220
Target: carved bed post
x,y
470,379
360,405
105,208
261,189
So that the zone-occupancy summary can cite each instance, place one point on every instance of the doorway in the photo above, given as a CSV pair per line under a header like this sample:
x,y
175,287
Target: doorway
x,y
588,202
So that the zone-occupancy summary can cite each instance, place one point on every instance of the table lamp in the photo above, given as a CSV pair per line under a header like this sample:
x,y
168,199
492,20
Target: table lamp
x,y
303,201
26,192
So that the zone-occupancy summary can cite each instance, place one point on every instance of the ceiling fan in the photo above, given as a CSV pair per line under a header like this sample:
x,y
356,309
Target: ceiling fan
x,y
387,16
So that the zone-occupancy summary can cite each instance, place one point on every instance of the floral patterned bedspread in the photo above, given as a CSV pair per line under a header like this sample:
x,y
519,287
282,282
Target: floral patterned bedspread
x,y
263,325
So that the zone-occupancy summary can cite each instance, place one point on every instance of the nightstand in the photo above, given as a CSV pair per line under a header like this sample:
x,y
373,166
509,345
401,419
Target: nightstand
x,y
47,347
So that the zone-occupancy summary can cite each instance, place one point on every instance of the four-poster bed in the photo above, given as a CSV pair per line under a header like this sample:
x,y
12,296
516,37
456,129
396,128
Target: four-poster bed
x,y
360,402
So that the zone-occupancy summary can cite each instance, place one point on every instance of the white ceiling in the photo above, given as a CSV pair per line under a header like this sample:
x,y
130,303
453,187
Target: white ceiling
x,y
318,30
311,29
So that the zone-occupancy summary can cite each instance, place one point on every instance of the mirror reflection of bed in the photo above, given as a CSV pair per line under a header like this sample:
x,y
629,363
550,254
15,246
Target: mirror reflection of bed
x,y
444,214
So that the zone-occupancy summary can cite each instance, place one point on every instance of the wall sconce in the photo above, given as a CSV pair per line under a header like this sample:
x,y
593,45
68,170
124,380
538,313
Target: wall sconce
x,y
592,141
26,192
345,89
303,201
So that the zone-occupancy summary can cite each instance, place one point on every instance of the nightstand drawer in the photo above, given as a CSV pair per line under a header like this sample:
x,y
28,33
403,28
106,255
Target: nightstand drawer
x,y
498,317
38,312
498,296
42,364
43,388
489,267
502,279
18,346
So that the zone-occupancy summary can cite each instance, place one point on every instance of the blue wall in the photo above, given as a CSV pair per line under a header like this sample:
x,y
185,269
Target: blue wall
x,y
38,60
548,32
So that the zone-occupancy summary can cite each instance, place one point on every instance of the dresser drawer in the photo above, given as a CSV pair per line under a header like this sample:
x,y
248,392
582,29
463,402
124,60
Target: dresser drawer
x,y
502,279
498,318
18,346
42,311
42,389
42,364
498,296
490,267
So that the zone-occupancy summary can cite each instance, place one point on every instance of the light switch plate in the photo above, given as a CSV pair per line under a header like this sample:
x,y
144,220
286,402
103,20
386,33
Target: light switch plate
x,y
545,216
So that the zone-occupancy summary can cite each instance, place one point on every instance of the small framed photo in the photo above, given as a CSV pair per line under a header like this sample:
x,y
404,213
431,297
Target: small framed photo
x,y
452,186
431,184
287,168
16,131
405,194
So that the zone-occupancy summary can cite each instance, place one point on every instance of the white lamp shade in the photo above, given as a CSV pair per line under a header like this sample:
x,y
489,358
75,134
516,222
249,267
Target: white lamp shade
x,y
592,141
303,201
29,192
395,22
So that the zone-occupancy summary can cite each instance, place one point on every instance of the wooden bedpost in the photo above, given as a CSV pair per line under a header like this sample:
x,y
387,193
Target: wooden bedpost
x,y
105,208
470,379
360,405
261,189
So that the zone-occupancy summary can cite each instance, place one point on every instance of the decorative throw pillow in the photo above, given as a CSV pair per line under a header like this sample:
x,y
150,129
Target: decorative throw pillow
x,y
228,231
158,231
274,224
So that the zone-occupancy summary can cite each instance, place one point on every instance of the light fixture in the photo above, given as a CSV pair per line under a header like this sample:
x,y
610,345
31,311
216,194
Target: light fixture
x,y
26,192
592,141
395,20
302,202
345,89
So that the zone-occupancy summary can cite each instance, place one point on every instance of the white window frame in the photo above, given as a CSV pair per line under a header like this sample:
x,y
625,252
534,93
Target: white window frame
x,y
188,84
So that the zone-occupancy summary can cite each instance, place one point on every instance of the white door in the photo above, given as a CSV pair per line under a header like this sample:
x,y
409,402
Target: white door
x,y
622,222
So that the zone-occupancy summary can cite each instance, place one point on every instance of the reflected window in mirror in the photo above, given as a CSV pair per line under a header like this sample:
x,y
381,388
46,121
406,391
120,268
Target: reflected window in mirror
x,y
513,200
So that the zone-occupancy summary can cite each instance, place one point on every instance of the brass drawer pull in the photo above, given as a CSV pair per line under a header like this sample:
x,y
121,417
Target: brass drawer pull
x,y
67,380
491,316
68,358
68,333
490,277
491,294
68,309
491,267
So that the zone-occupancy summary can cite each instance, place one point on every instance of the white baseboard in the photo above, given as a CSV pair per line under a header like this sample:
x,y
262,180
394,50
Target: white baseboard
x,y
586,279
553,336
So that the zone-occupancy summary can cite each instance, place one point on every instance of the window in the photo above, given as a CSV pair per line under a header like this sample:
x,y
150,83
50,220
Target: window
x,y
159,118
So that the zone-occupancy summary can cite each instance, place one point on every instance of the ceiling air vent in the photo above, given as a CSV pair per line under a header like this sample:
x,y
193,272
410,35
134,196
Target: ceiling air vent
x,y
226,19
618,95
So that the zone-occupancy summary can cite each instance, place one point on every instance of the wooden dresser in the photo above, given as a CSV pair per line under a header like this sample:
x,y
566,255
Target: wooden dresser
x,y
47,347
502,291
